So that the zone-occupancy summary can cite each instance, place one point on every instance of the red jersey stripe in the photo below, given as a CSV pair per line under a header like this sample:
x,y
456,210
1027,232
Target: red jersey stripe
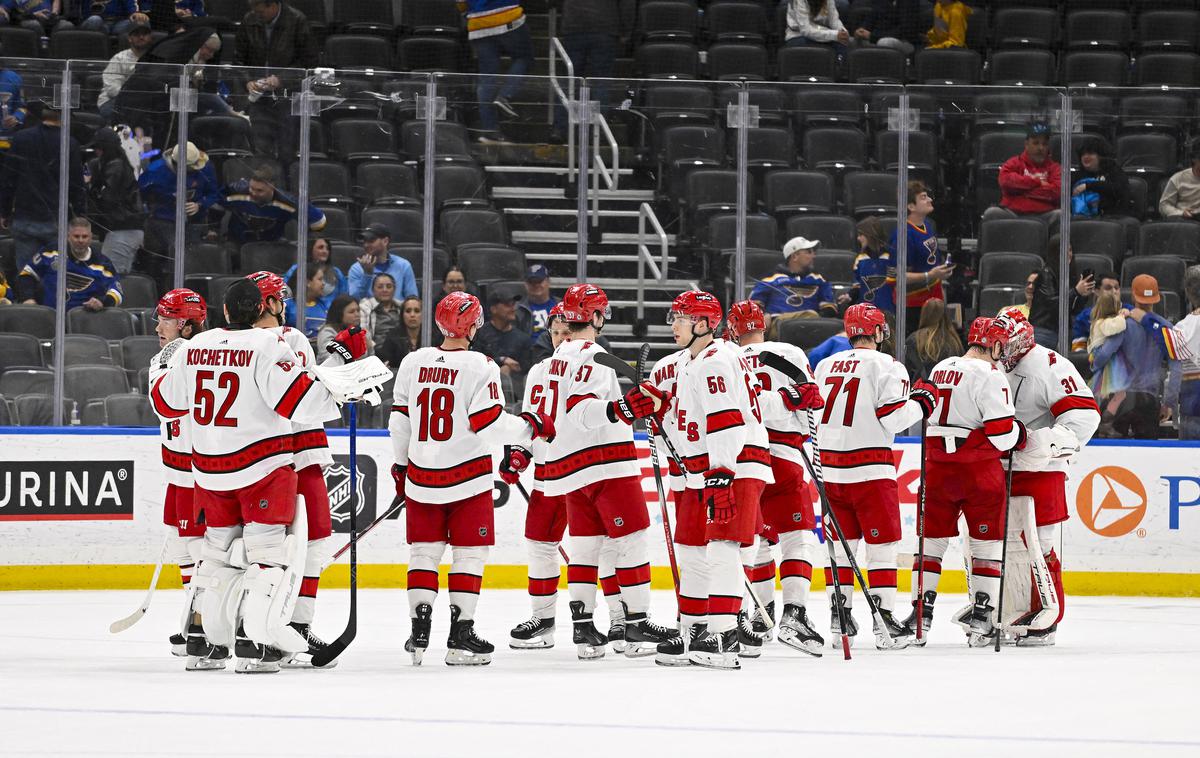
x,y
177,461
997,426
890,408
481,420
575,400
242,459
291,399
869,456
722,420
160,405
1074,403
598,455
449,477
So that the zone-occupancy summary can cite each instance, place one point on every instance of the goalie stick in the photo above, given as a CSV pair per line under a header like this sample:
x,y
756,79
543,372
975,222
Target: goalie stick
x,y
337,647
1004,533
121,625
920,633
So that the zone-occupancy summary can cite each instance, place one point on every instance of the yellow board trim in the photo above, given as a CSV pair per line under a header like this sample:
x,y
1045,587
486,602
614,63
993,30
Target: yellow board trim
x,y
393,576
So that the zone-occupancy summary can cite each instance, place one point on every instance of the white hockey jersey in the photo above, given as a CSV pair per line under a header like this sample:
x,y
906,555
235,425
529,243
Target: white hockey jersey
x,y
787,430
174,432
664,376
243,389
1048,391
539,398
718,419
866,406
973,418
447,420
588,447
309,444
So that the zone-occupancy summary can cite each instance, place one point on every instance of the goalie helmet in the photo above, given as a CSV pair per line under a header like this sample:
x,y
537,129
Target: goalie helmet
x,y
271,285
457,313
1015,335
182,304
696,305
581,301
862,319
745,317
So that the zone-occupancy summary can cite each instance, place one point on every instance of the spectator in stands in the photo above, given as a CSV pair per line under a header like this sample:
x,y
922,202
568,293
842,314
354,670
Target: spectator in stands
x,y
4,290
157,185
320,254
188,10
453,281
1128,363
343,314
1081,322
1030,281
376,260
1100,187
380,312
795,290
934,340
317,300
927,267
838,343
874,268
1182,394
590,31
272,37
816,22
29,185
1043,308
895,24
259,211
12,107
1181,194
949,25
497,28
115,199
120,67
1030,183
41,16
533,313
92,280
407,337
115,17
500,339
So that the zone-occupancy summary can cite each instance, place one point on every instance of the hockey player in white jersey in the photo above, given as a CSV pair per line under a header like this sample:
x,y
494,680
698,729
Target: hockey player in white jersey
x,y
787,508
447,420
1060,413
243,389
969,425
181,314
593,463
867,402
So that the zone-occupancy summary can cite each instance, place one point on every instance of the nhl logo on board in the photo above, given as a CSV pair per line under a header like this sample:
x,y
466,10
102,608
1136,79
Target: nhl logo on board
x,y
337,480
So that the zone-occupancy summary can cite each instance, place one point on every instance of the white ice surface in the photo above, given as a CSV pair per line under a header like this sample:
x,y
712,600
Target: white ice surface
x,y
1122,681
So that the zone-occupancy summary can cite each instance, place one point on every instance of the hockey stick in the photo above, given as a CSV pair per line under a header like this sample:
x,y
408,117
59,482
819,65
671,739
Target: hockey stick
x,y
122,624
394,509
921,542
833,566
1004,534
638,372
525,494
338,646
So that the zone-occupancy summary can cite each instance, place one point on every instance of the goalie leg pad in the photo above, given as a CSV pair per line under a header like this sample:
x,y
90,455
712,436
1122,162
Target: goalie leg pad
x,y
273,582
1048,537
219,583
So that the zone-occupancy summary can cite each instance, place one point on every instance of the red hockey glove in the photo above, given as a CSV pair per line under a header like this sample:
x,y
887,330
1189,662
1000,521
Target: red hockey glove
x,y
542,425
400,475
718,495
802,397
924,394
1022,436
635,404
350,344
516,459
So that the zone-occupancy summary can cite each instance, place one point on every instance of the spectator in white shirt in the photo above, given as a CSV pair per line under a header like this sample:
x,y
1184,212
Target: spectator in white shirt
x,y
120,68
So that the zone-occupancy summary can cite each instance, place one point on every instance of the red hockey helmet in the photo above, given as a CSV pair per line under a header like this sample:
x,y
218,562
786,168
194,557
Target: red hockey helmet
x,y
581,301
457,313
271,285
555,312
979,333
862,319
1015,335
183,304
745,317
696,305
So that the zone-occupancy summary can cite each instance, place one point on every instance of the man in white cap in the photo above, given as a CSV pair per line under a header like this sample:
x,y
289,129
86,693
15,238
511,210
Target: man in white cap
x,y
794,290
157,186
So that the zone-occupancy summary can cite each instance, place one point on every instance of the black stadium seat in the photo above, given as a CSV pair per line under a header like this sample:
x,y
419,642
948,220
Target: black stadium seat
x,y
876,65
19,350
1023,27
736,22
1007,268
129,409
670,20
37,320
1012,235
357,50
841,149
485,263
1167,269
807,64
949,66
1168,30
37,409
465,225
807,333
1167,70
86,349
83,383
833,232
1099,237
110,323
373,16
737,61
1170,238
428,53
1100,68
761,232
871,193
787,193
1098,30
668,60
1028,68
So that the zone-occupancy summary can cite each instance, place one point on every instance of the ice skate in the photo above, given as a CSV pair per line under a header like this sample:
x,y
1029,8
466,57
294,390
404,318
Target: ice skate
x,y
796,632
589,642
760,623
464,647
891,634
717,650
418,640
642,636
910,623
253,658
751,642
981,632
1036,638
201,654
315,645
674,652
616,635
534,634
178,645
835,622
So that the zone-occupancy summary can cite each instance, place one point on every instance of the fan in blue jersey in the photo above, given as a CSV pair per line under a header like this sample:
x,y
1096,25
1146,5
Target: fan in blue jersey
x,y
794,287
92,280
259,212
875,267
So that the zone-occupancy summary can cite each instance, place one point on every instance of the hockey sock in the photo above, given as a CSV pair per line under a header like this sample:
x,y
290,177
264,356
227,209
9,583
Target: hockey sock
x,y
183,551
582,571
725,588
845,573
314,561
985,568
795,572
935,549
881,573
466,577
1048,538
423,561
760,570
543,578
608,579
693,583
633,571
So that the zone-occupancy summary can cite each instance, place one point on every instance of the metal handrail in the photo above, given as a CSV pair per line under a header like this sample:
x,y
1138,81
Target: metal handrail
x,y
646,258
567,97
599,168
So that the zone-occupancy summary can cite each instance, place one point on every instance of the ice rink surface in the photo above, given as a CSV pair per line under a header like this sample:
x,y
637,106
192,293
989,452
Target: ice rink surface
x,y
1122,681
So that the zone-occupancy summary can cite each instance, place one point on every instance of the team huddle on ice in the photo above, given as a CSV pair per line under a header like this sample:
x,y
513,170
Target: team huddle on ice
x,y
731,419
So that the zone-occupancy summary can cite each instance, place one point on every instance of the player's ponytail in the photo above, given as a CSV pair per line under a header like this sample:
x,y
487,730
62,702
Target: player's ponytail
x,y
243,303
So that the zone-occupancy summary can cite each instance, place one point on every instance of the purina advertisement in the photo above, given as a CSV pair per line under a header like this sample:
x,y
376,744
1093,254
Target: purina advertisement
x,y
70,499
